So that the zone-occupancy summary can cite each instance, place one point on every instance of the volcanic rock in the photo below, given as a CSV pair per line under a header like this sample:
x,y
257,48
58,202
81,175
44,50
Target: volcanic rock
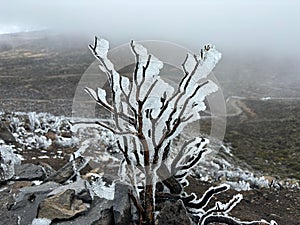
x,y
6,202
5,134
100,213
68,171
173,214
28,200
81,187
61,206
29,172
121,205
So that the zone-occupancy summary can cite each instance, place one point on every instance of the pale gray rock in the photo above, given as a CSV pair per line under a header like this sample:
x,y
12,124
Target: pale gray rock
x,y
64,205
100,213
81,187
29,172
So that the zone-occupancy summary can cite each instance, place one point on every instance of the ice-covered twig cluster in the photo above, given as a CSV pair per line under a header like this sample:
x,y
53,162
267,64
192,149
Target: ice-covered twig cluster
x,y
8,160
222,166
148,114
30,129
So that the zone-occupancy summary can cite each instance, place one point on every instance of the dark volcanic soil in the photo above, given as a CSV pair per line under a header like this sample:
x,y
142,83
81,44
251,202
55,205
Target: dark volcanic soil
x,y
267,136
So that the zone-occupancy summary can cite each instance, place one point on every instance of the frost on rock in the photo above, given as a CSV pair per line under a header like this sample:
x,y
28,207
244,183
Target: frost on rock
x,y
103,188
8,160
67,142
96,144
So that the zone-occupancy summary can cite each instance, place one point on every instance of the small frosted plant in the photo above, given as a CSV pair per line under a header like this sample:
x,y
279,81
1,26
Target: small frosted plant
x,y
148,114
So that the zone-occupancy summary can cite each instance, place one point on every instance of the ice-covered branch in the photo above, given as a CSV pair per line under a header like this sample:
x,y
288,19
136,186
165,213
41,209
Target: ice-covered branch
x,y
188,157
196,205
220,208
233,221
99,97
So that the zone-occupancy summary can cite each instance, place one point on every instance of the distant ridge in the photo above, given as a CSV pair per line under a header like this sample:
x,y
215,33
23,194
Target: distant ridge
x,y
13,29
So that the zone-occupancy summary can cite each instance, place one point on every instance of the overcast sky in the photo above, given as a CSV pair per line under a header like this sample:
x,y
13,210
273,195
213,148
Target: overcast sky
x,y
243,24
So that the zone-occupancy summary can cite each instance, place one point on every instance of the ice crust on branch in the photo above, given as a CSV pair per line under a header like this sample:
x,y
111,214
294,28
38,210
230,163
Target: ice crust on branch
x,y
148,114
149,106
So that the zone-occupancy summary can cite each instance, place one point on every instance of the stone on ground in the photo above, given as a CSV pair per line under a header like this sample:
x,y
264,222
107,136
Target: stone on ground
x,y
64,205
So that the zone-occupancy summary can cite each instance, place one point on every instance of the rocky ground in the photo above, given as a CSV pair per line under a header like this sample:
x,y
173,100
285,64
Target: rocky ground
x,y
39,73
45,186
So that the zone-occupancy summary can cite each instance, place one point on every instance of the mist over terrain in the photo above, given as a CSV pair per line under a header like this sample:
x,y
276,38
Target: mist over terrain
x,y
239,25
259,40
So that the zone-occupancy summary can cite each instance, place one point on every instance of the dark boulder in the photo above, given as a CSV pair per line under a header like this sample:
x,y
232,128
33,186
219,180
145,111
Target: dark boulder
x,y
68,171
6,202
122,204
5,134
173,214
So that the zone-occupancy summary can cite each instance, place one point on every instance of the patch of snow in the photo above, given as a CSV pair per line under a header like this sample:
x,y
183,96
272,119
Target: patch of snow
x,y
239,186
41,221
67,142
43,157
37,182
265,98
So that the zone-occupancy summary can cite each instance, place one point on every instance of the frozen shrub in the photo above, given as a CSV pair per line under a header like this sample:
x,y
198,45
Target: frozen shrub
x,y
148,114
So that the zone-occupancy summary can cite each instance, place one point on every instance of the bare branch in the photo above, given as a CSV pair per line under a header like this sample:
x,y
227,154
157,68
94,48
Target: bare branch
x,y
135,202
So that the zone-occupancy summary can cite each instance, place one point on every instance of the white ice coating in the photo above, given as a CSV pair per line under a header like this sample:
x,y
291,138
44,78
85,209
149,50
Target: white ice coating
x,y
67,142
100,51
41,221
149,107
100,95
222,166
8,160
102,47
103,189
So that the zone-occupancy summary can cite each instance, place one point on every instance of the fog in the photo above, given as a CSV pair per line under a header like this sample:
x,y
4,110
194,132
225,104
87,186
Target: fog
x,y
259,39
256,25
